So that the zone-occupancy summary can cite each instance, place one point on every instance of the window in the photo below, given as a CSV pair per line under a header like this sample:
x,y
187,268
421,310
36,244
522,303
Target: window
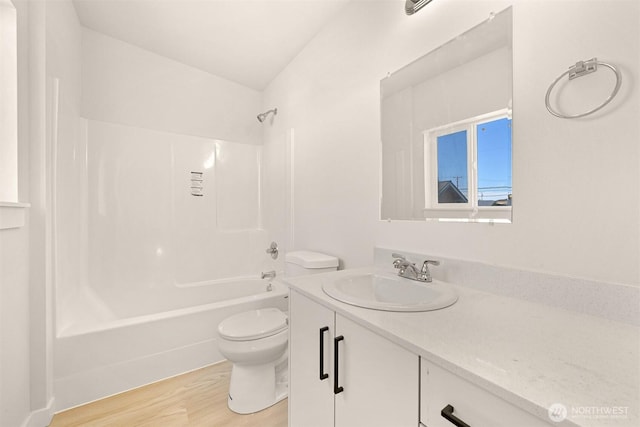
x,y
12,213
468,169
8,104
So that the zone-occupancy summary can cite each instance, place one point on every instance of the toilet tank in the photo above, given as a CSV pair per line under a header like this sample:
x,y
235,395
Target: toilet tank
x,y
298,263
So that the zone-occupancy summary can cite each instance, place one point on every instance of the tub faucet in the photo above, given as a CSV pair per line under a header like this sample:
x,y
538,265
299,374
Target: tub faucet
x,y
269,274
408,270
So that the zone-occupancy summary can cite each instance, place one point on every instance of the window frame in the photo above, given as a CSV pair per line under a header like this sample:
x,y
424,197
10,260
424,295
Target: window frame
x,y
12,212
460,211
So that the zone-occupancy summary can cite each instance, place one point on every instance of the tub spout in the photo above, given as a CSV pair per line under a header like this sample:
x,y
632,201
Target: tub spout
x,y
269,274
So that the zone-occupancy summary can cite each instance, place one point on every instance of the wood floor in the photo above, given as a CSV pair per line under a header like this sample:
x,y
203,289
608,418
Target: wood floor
x,y
198,398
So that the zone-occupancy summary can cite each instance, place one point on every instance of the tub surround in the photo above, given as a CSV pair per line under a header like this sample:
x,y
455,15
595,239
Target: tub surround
x,y
528,353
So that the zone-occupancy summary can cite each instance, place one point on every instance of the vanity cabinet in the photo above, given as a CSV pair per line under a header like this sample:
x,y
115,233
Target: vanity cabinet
x,y
343,375
466,402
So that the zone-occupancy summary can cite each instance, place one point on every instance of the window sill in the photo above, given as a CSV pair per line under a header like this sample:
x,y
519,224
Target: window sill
x,y
12,214
492,215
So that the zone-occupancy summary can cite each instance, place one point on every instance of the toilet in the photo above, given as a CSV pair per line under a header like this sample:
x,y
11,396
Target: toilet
x,y
256,342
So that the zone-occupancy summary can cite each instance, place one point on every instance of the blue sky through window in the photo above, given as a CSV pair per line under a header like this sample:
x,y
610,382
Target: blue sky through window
x,y
452,160
494,159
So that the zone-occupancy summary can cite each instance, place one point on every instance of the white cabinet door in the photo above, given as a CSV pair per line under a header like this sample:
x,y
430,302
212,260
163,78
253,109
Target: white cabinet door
x,y
468,403
310,399
380,380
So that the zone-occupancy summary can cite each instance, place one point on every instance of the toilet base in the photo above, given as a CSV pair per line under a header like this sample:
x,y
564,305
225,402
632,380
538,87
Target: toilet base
x,y
257,387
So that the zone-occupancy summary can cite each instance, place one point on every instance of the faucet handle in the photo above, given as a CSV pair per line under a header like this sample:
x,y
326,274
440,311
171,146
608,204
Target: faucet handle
x,y
425,265
425,274
273,250
398,260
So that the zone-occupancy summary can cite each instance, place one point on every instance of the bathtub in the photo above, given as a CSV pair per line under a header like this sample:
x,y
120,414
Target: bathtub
x,y
110,341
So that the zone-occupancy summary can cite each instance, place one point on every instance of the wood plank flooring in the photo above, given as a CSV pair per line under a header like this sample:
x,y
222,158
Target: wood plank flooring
x,y
197,398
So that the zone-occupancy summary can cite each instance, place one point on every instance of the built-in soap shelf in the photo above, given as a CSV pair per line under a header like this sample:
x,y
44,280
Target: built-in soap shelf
x,y
197,188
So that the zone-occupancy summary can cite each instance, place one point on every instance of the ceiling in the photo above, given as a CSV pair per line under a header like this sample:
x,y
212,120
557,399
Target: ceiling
x,y
245,41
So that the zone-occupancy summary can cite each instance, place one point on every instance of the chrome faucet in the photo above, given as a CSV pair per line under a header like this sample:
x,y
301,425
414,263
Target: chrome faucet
x,y
269,274
408,270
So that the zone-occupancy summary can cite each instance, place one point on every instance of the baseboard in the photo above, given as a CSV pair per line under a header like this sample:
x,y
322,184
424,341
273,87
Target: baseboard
x,y
41,417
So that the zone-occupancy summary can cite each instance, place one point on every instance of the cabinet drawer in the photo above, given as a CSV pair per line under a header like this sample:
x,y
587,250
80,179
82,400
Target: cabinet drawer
x,y
473,405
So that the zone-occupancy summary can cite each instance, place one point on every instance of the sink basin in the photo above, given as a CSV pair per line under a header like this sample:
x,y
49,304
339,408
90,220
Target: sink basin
x,y
389,292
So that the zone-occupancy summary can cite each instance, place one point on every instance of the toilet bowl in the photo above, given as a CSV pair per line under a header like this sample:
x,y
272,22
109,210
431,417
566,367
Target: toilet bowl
x,y
256,342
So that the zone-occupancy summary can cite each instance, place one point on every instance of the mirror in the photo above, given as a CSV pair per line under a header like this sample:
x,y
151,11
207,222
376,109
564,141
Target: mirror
x,y
446,130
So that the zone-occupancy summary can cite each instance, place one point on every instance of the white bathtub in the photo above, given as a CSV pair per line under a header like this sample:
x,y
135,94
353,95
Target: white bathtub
x,y
113,341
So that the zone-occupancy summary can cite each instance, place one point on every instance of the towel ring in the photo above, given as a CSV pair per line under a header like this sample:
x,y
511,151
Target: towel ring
x,y
580,69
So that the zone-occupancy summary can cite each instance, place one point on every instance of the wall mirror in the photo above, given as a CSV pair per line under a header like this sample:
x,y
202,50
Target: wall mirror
x,y
446,130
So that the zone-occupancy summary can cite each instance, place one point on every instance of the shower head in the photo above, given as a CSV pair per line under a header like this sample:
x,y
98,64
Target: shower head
x,y
263,116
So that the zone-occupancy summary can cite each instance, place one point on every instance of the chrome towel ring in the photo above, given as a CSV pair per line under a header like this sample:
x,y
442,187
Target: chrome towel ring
x,y
580,69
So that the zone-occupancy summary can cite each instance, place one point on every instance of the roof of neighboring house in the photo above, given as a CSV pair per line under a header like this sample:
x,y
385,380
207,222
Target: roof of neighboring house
x,y
449,193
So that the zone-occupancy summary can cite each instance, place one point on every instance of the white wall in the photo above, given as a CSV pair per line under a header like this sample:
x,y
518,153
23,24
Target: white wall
x,y
14,326
40,247
124,84
576,182
24,349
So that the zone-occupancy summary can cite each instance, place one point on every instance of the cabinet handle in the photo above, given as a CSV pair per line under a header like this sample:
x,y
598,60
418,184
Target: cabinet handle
x,y
323,375
336,388
447,413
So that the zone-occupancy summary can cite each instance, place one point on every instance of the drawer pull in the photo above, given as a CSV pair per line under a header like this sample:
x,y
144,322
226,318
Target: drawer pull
x,y
323,374
447,413
336,388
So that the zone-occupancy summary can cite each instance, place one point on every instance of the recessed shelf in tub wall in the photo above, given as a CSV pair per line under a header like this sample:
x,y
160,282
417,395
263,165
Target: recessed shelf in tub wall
x,y
12,214
196,184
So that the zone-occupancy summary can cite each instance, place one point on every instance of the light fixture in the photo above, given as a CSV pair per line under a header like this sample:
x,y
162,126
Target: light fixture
x,y
412,6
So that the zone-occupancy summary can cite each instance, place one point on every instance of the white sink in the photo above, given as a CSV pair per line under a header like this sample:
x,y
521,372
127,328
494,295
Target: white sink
x,y
389,292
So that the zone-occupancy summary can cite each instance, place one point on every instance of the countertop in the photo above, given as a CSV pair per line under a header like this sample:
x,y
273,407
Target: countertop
x,y
529,354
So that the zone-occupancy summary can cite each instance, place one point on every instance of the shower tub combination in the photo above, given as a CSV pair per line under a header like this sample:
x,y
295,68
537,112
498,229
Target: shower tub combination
x,y
144,270
112,342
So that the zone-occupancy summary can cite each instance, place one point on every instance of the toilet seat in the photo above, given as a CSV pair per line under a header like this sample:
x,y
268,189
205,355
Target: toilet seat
x,y
253,325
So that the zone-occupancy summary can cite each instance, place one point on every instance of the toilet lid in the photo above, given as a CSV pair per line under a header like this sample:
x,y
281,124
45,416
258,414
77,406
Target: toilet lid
x,y
252,325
